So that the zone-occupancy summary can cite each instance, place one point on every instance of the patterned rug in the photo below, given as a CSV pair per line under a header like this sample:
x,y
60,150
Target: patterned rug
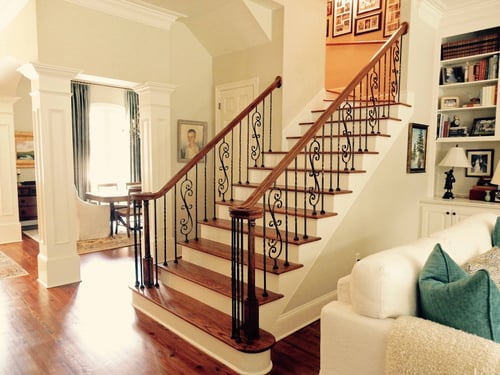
x,y
9,268
108,243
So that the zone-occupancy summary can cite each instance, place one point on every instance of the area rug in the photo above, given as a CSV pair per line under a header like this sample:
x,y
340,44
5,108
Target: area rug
x,y
9,268
100,244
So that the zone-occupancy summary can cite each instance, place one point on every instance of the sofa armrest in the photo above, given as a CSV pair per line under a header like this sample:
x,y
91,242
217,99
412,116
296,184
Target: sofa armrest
x,y
344,289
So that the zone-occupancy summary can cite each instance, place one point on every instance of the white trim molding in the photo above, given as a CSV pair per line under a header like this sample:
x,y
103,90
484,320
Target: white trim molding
x,y
136,10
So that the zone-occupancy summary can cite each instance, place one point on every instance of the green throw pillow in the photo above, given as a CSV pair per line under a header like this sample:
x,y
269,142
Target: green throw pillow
x,y
448,295
495,236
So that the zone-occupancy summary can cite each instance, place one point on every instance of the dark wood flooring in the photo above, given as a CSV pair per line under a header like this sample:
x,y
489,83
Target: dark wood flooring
x,y
92,328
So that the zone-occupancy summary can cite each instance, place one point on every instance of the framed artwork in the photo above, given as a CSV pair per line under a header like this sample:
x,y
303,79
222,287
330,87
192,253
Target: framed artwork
x,y
417,148
483,126
192,136
481,163
450,102
365,6
367,24
25,150
342,17
392,16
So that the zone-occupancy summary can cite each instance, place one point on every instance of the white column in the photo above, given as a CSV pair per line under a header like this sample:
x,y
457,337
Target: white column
x,y
58,261
10,227
158,146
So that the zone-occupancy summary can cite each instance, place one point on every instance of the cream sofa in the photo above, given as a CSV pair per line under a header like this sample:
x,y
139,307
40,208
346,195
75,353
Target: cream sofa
x,y
92,221
372,328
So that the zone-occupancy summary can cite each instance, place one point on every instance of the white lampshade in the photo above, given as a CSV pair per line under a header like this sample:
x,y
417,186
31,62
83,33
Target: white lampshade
x,y
496,176
455,157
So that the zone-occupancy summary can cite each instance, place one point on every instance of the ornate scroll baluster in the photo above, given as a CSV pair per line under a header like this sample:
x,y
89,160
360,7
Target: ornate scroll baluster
x,y
346,116
373,119
256,149
314,191
186,223
223,182
275,245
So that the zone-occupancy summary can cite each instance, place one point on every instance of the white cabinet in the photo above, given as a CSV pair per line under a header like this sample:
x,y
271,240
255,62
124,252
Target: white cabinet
x,y
438,214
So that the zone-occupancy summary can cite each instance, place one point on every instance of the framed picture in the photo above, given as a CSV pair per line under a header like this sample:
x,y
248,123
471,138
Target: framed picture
x,y
392,16
417,148
452,74
367,24
483,126
450,102
192,136
365,6
342,17
481,163
25,150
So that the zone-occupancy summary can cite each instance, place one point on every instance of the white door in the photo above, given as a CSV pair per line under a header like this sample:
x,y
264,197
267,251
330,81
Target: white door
x,y
232,98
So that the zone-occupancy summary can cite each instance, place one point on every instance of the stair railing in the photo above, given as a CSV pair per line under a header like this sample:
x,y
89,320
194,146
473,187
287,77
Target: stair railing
x,y
326,151
190,195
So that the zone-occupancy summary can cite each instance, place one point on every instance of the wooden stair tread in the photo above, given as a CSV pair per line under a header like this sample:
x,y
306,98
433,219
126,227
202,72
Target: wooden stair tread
x,y
344,136
300,211
309,170
223,251
349,121
321,152
270,233
204,317
299,189
213,280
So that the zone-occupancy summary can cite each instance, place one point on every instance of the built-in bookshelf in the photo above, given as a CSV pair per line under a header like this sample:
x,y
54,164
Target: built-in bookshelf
x,y
468,87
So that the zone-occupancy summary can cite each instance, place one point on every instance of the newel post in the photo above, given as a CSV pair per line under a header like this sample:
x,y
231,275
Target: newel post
x,y
245,310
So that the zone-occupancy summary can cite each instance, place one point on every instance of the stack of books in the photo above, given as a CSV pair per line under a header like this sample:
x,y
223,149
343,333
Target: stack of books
x,y
489,95
472,46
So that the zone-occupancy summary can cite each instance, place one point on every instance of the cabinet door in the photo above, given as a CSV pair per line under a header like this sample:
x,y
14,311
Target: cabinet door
x,y
435,218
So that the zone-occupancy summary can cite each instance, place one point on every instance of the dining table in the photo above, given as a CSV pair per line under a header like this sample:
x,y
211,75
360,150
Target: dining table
x,y
111,198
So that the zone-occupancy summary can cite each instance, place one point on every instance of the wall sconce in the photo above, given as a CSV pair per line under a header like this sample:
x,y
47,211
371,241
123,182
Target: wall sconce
x,y
455,158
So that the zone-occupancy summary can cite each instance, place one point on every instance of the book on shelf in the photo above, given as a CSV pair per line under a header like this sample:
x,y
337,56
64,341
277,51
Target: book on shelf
x,y
480,70
471,46
488,95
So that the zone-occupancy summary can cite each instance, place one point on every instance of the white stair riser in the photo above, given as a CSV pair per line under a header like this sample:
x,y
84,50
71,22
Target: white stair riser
x,y
370,143
382,127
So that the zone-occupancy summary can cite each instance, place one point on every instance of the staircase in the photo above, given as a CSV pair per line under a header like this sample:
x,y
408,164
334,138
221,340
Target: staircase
x,y
248,223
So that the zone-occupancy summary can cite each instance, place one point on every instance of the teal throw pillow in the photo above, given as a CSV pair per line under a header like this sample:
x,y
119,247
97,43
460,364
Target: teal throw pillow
x,y
448,295
495,236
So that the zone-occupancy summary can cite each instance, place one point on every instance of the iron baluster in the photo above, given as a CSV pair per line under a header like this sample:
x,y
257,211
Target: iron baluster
x,y
256,148
165,263
186,223
275,244
305,192
175,226
296,203
157,283
223,182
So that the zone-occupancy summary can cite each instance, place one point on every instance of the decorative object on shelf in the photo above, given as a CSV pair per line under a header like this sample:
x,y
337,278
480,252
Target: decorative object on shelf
x,y
450,102
392,16
25,150
417,148
455,158
365,6
483,126
192,136
452,74
342,18
480,163
367,24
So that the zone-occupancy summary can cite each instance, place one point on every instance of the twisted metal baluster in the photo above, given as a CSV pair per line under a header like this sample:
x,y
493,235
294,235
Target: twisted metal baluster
x,y
347,116
186,223
275,245
314,191
256,149
223,182
373,119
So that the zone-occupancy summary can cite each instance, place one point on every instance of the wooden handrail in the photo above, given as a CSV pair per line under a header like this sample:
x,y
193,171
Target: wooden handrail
x,y
304,140
210,145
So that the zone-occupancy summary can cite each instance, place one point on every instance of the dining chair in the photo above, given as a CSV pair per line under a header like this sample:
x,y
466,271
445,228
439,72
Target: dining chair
x,y
125,216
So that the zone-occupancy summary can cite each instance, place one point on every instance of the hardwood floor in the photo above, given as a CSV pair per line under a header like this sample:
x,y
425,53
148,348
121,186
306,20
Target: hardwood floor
x,y
92,328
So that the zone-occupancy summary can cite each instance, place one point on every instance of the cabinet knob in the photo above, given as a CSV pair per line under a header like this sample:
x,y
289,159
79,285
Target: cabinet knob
x,y
447,212
453,213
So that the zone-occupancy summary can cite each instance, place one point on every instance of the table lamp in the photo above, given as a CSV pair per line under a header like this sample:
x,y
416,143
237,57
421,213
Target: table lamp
x,y
455,158
495,180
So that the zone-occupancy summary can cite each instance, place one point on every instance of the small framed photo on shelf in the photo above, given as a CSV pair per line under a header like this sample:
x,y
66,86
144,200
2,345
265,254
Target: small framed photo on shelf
x,y
367,24
450,102
417,148
483,127
452,74
481,163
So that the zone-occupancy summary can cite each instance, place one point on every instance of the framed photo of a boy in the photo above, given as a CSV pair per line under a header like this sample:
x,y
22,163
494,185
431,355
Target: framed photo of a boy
x,y
192,136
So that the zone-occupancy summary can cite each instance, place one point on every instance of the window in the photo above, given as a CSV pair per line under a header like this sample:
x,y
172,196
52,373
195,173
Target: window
x,y
109,145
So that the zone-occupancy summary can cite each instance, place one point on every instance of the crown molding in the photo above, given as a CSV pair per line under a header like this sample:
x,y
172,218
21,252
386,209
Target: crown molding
x,y
135,10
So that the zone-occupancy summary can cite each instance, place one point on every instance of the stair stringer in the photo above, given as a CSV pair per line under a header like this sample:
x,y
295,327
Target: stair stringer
x,y
292,320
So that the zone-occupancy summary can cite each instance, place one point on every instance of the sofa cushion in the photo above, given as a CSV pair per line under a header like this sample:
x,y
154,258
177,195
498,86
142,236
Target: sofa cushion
x,y
489,261
448,295
495,236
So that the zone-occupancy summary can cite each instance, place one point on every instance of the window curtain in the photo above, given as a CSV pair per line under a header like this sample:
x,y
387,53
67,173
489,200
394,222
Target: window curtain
x,y
81,142
132,108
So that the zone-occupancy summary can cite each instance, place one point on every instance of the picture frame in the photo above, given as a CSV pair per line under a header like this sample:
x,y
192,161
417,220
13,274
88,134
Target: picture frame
x,y
484,126
392,17
450,102
25,150
367,24
416,159
365,6
452,74
192,137
342,18
481,163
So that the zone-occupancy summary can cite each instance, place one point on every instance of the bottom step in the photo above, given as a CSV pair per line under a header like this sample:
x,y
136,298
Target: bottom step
x,y
204,327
